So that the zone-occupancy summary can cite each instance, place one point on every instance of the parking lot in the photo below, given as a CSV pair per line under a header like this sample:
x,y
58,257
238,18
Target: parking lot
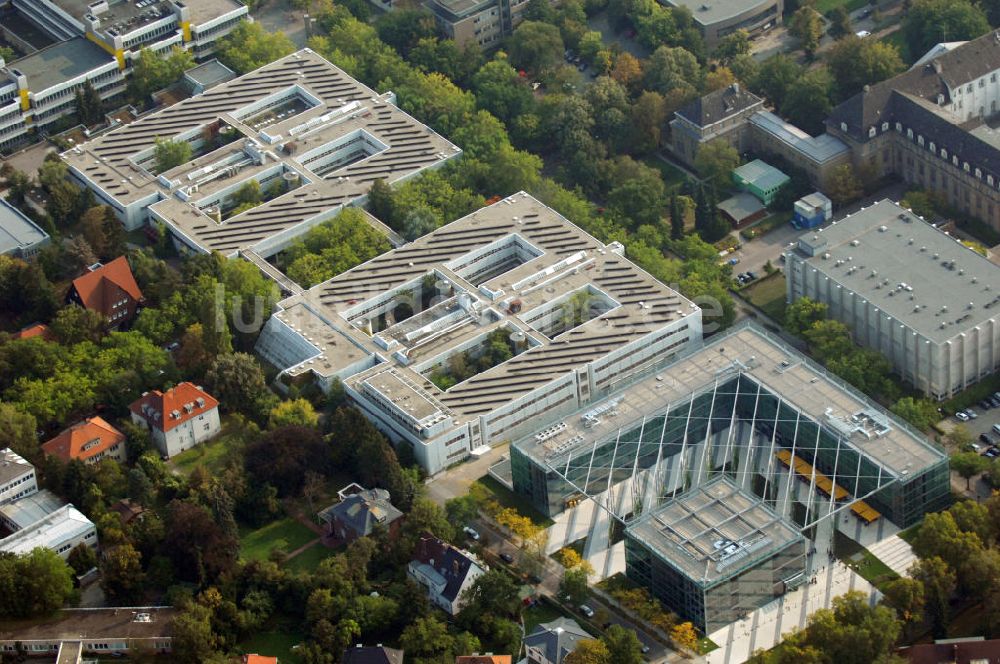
x,y
981,425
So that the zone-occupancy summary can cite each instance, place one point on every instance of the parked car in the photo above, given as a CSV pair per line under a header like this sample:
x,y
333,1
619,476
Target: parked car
x,y
863,33
993,452
751,276
962,416
971,413
586,610
985,404
993,401
986,439
645,649
734,260
996,395
471,532
507,558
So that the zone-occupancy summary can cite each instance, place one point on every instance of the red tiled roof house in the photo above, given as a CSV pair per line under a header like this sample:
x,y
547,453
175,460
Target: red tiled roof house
x,y
109,290
36,330
89,441
179,418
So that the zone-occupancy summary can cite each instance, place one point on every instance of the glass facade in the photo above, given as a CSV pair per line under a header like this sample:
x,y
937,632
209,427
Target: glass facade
x,y
766,424
715,605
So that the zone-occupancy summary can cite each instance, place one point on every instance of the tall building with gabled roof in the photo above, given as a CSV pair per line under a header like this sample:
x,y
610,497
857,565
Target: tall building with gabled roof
x,y
110,290
932,126
179,418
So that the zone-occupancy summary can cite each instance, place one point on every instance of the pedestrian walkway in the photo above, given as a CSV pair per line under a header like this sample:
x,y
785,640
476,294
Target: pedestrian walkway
x,y
765,627
894,552
273,273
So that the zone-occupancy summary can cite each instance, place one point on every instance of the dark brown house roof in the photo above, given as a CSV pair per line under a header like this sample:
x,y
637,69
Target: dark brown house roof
x,y
958,66
962,652
719,105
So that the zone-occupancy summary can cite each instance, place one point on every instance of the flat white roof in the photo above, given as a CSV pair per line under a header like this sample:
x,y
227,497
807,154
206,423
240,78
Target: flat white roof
x,y
64,524
925,279
31,509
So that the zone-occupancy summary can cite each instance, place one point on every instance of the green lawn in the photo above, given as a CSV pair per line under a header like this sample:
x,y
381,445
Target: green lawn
x,y
309,560
706,645
542,612
768,294
212,454
673,177
823,6
278,644
899,41
862,561
910,533
508,498
974,394
287,534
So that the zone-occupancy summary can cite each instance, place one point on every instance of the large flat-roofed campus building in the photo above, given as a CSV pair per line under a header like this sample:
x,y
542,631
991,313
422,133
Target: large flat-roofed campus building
x,y
98,42
714,462
469,336
717,18
311,136
910,291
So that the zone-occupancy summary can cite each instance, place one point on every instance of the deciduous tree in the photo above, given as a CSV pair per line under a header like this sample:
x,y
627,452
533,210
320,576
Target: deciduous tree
x,y
929,22
715,162
535,46
249,46
806,26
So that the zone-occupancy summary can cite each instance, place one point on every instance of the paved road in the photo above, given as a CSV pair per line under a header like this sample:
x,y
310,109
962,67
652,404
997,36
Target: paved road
x,y
755,253
550,577
777,40
456,481
279,16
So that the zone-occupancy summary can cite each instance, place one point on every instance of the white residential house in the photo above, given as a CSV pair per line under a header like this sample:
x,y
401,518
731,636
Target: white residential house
x,y
445,571
178,419
17,477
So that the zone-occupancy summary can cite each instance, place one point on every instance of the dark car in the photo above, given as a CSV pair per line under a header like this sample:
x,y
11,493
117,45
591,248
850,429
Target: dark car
x,y
507,558
751,276
986,439
993,452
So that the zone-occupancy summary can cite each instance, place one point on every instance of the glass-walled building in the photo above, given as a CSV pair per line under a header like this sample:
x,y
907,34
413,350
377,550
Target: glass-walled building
x,y
748,407
715,554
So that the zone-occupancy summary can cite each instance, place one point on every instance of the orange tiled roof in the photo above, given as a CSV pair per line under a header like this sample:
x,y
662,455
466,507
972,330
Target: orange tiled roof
x,y
98,289
72,443
483,659
158,408
36,330
259,659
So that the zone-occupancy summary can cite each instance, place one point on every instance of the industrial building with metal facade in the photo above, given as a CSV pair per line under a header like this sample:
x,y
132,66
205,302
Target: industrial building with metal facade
x,y
312,137
736,452
471,335
908,290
